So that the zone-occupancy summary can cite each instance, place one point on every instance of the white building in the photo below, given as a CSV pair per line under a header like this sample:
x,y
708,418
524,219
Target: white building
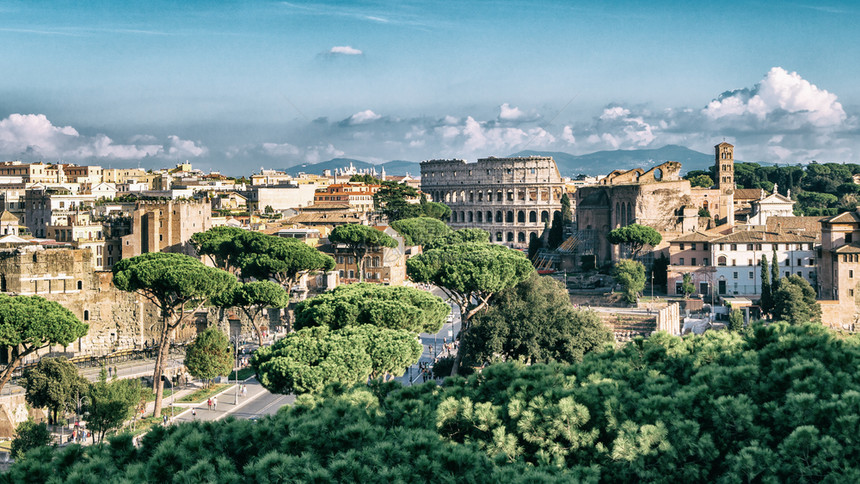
x,y
773,205
737,257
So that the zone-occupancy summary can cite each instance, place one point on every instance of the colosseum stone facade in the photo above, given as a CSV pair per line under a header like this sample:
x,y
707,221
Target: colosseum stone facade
x,y
511,198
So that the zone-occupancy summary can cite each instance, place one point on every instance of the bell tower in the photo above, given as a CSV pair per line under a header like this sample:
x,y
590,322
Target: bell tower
x,y
724,154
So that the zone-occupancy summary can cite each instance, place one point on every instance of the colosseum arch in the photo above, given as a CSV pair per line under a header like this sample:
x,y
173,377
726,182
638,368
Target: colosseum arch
x,y
544,216
480,215
499,218
510,236
489,218
521,217
521,237
470,216
532,217
510,217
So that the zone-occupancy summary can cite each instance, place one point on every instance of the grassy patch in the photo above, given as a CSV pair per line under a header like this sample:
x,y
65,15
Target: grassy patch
x,y
245,373
142,425
204,393
6,445
151,395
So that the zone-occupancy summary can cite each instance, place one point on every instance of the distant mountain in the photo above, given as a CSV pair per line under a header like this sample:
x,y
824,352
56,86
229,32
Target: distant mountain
x,y
603,162
396,167
598,163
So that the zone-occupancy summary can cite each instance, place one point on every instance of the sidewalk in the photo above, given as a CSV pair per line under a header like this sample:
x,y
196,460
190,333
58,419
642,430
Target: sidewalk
x,y
226,404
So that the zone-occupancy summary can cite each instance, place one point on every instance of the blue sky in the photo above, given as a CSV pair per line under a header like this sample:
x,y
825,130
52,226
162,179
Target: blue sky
x,y
239,85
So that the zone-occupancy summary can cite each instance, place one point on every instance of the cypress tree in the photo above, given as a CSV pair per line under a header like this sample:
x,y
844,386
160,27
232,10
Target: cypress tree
x,y
774,272
766,302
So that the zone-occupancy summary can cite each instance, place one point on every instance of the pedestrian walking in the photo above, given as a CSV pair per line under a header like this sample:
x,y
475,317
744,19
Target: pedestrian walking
x,y
193,413
109,371
209,403
164,420
215,403
116,371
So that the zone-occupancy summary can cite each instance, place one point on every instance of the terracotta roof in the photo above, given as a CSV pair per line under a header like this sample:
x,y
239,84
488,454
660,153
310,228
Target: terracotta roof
x,y
326,218
748,193
847,217
852,248
760,236
7,216
809,225
695,237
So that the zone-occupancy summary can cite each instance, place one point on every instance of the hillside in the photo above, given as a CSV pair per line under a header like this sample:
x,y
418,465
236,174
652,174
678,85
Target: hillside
x,y
597,163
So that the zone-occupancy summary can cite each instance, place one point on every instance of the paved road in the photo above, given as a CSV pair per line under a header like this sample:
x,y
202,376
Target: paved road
x,y
448,333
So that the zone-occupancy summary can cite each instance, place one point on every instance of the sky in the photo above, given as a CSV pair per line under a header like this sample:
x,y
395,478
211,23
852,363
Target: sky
x,y
236,86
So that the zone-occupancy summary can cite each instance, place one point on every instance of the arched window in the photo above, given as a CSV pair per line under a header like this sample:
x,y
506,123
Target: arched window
x,y
533,217
544,216
499,196
498,236
80,285
480,196
521,237
86,315
510,217
480,216
510,236
471,196
489,218
471,216
521,217
462,217
721,260
453,216
498,216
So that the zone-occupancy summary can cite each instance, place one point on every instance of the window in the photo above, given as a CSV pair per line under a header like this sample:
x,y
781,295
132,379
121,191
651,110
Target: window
x,y
851,274
349,260
749,247
681,261
749,262
721,260
848,237
705,261
758,247
787,261
340,259
787,273
734,275
86,315
693,246
851,292
340,273
734,246
678,289
734,262
682,246
705,246
352,274
693,261
752,276
800,262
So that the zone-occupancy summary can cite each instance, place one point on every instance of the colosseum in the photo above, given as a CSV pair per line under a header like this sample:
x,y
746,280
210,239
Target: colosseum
x,y
511,198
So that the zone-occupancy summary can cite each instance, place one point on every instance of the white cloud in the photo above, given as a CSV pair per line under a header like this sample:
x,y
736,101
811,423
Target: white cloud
x,y
34,137
567,135
508,113
614,112
781,92
180,148
344,50
362,117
